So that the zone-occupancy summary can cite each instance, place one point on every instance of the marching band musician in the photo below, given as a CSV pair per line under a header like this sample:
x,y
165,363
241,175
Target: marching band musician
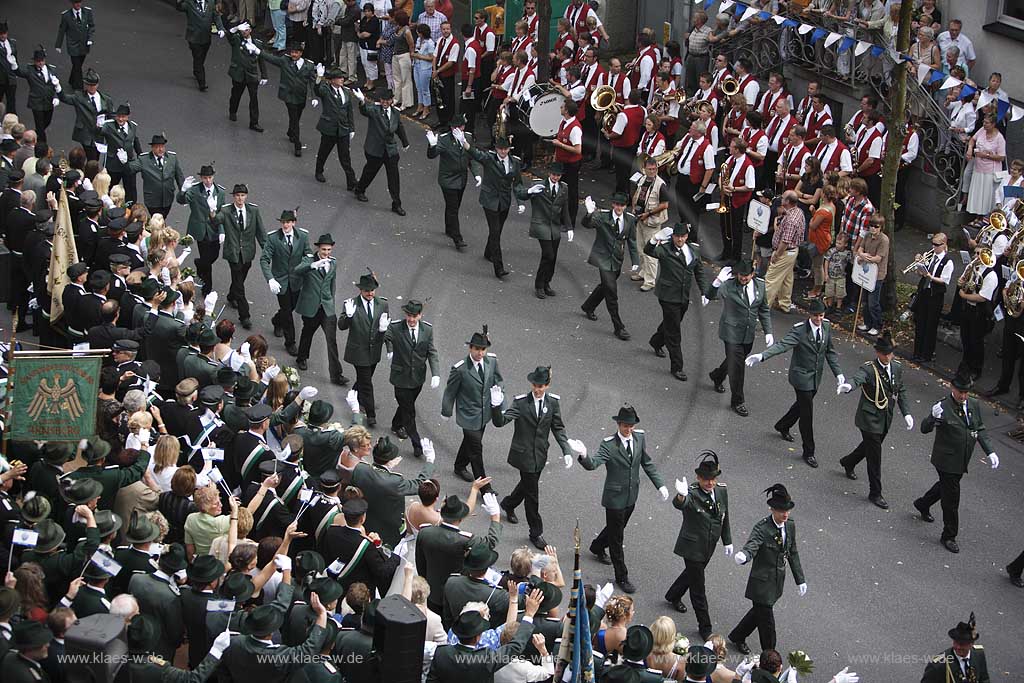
x,y
817,117
591,73
564,62
911,145
869,155
757,144
803,108
623,136
855,125
706,91
668,110
469,72
522,40
976,319
706,115
501,82
530,19
775,93
523,80
736,118
616,79
488,40
568,144
581,16
833,154
721,71
562,40
749,87
696,165
652,142
645,65
791,159
738,187
777,132
936,274
446,64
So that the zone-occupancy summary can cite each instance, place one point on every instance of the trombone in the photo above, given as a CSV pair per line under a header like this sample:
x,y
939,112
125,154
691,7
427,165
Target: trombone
x,y
724,199
920,262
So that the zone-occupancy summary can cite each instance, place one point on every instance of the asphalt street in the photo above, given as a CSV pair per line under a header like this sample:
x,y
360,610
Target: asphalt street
x,y
882,590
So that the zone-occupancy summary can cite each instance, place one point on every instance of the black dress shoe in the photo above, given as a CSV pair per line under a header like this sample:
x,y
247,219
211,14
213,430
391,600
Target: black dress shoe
x,y
678,605
340,380
464,475
811,461
500,273
256,127
232,117
548,291
679,375
602,556
320,177
399,210
589,315
291,349
460,246
400,433
539,293
741,410
925,515
622,334
850,474
510,513
786,436
1015,580
298,151
951,545
361,197
719,387
371,422
741,647
278,331
247,323
539,543
627,586
705,634
300,363
879,502
417,453
203,88
659,351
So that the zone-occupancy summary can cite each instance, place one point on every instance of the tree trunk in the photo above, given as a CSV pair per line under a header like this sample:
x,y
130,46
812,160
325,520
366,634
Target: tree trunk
x,y
543,40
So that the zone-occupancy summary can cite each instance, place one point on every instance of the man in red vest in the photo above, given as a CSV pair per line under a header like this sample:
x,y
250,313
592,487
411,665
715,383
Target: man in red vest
x,y
568,144
469,69
488,40
446,63
696,165
819,116
591,73
833,155
623,136
791,159
738,185
869,155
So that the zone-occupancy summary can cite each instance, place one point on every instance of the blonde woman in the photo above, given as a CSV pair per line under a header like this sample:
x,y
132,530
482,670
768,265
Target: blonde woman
x,y
164,462
139,425
9,122
116,197
662,658
276,392
722,673
101,184
618,614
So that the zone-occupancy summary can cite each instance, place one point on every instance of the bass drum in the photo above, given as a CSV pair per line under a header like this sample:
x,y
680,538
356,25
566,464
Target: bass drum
x,y
540,110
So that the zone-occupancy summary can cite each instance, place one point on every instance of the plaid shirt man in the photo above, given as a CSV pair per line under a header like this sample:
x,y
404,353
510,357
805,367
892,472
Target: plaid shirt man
x,y
434,21
855,217
790,230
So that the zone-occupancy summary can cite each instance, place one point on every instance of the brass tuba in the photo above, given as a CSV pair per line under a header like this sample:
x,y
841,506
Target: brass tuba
x,y
1013,293
661,103
974,273
996,226
729,86
603,99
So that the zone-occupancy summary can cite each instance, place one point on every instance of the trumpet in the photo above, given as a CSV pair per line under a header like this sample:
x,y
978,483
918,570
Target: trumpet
x,y
662,101
691,107
920,261
1013,293
850,131
729,86
723,204
603,99
974,273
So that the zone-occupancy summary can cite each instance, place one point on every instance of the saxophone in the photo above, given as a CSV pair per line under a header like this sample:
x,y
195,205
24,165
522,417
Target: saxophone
x,y
501,123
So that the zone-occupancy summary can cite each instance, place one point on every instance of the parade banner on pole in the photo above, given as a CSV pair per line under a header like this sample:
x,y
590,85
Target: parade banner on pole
x,y
62,255
54,397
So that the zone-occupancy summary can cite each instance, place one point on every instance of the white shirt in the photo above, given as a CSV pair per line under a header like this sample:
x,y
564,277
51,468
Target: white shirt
x,y
845,159
749,181
538,406
627,442
778,127
688,256
524,80
816,333
751,292
888,371
505,163
576,134
619,223
964,662
913,144
453,53
947,271
988,285
946,41
686,157
751,91
245,216
415,332
646,66
782,530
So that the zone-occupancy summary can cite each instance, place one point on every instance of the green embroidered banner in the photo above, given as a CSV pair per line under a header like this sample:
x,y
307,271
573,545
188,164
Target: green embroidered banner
x,y
54,398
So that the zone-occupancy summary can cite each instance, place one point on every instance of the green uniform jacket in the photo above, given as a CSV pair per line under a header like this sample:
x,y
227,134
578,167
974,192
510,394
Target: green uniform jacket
x,y
459,590
199,24
245,67
161,600
461,664
497,185
78,34
86,131
113,477
145,668
279,261
362,347
739,319
440,550
455,161
531,438
18,669
381,132
622,472
200,217
387,491
610,244
955,435
469,394
317,288
41,91
43,478
337,118
808,362
674,274
409,364
870,418
115,139
133,561
247,659
769,555
240,242
945,668
295,82
90,601
193,615
549,215
62,567
705,521
201,368
354,651
159,186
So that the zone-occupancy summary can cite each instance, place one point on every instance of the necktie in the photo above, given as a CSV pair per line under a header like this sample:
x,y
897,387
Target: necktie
x,y
538,408
369,310
160,163
124,130
480,371
746,294
967,415
817,337
618,225
78,16
629,448
554,190
412,334
239,219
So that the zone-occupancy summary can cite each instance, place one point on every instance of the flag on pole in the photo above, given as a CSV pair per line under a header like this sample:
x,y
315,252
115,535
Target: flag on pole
x,y
575,655
25,537
62,255
106,563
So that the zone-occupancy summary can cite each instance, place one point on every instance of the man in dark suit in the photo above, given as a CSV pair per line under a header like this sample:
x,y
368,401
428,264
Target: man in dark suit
x,y
8,63
91,110
366,317
121,134
77,27
623,454
242,226
336,125
410,348
201,17
384,125
281,255
107,335
161,174
616,230
452,173
247,71
87,234
204,198
296,75
502,174
537,415
469,384
355,548
20,220
316,306
549,218
958,425
164,335
42,90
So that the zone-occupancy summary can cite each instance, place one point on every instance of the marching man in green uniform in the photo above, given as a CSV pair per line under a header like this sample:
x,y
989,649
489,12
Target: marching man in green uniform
x,y
77,27
467,391
410,345
881,387
536,415
958,425
366,317
247,72
679,264
452,172
159,597
502,174
242,227
384,130
336,125
549,218
296,75
744,304
161,175
282,253
91,110
201,20
771,545
963,662
623,454
616,231
811,342
705,508
316,305
120,134
43,88
204,199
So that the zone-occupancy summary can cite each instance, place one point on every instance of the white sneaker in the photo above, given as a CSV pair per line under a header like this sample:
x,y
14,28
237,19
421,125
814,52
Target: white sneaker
x,y
862,327
872,332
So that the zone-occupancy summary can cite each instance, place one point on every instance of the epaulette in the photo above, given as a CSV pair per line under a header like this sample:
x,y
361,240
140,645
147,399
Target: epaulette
x,y
220,186
112,467
65,11
979,647
939,659
492,355
554,396
896,362
467,534
513,156
253,205
459,364
608,438
630,213
639,431
226,205
559,619
426,323
303,230
520,397
868,363
330,667
798,324
170,152
759,279
146,154
720,484
654,671
826,320
273,231
606,210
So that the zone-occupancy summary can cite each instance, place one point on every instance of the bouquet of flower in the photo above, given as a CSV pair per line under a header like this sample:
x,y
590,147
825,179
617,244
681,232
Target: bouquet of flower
x,y
188,272
800,662
681,645
334,427
186,240
292,375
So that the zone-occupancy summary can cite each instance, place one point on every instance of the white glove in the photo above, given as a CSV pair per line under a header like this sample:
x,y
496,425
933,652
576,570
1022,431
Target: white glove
x,y
909,419
682,487
314,103
220,34
220,643
350,307
351,135
578,447
589,204
270,373
220,238
55,103
431,138
723,275
844,388
359,95
391,354
994,459
802,589
570,235
210,302
663,235
769,339
521,209
320,70
744,668
704,301
243,351
308,393
490,503
846,676
233,29
740,557
568,461
100,120
789,676
189,182
435,382
536,189
322,264
937,410
728,550
185,253
428,450
88,43
497,396
122,156
283,562
405,148
664,492
275,286
352,399
603,593
382,325
635,268
753,359
478,180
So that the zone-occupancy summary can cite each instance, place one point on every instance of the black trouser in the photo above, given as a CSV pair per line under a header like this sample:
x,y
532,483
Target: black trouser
x,y
328,143
127,179
19,289
973,328
546,269
693,67
874,182
590,134
732,223
42,118
283,317
236,291
946,490
870,449
1013,353
802,410
294,118
765,174
237,88
91,153
370,170
77,61
199,62
329,324
571,177
610,538
522,142
452,204
622,158
761,617
927,312
162,210
364,389
446,107
692,579
471,452
1016,567
209,250
495,224
527,491
405,416
470,107
901,197
733,366
491,116
668,334
689,212
295,32
9,93
607,290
